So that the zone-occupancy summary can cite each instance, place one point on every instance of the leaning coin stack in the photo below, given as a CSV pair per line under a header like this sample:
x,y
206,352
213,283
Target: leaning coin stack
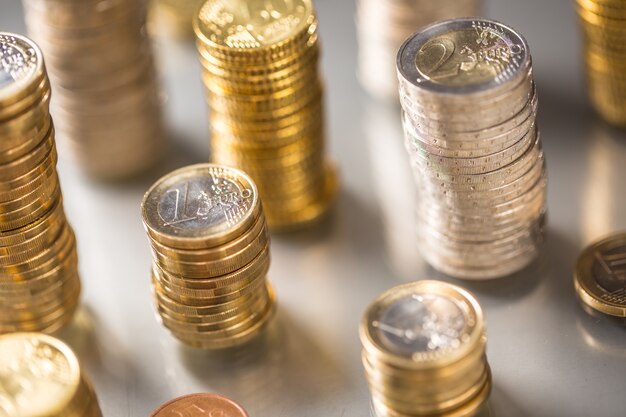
x,y
210,246
424,352
265,97
174,15
382,26
106,104
469,108
39,283
41,376
603,24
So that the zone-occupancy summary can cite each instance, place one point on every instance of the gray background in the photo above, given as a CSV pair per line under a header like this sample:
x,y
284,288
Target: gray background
x,y
549,358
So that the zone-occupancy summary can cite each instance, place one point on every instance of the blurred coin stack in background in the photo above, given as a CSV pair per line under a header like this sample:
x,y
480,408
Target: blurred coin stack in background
x,y
382,26
603,24
41,376
424,352
265,98
469,108
106,103
39,282
210,247
175,16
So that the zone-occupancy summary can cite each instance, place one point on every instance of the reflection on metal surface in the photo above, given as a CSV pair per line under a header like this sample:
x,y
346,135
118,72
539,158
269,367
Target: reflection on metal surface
x,y
602,210
598,332
393,186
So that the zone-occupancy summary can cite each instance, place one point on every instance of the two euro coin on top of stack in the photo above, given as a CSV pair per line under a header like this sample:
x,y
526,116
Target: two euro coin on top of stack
x,y
260,63
210,246
469,107
39,282
603,24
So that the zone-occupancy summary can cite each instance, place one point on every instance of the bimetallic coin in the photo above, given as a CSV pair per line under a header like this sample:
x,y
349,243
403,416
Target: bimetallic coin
x,y
21,65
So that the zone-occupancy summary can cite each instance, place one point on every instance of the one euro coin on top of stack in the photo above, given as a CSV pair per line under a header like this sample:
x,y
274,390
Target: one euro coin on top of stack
x,y
382,26
603,24
210,247
469,108
424,354
39,283
40,376
260,62
106,101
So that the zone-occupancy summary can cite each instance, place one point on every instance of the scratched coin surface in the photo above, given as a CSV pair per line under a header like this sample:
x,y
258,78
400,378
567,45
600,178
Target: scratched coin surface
x,y
39,375
20,61
600,275
200,201
252,24
200,405
463,55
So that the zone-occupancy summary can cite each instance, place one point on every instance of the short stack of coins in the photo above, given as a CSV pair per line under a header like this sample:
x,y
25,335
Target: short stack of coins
x,y
39,282
382,26
106,105
603,24
265,96
176,16
469,109
210,246
424,352
41,376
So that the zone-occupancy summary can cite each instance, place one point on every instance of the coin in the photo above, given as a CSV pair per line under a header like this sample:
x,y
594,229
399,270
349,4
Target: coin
x,y
197,405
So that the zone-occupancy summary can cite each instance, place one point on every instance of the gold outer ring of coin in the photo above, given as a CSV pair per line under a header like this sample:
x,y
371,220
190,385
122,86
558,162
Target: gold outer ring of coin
x,y
200,405
589,290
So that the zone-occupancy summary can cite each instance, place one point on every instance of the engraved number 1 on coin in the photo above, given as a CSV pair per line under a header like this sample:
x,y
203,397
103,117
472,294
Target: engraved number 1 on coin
x,y
180,208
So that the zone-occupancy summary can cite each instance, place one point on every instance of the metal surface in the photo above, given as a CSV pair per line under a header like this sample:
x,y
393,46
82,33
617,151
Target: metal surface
x,y
548,357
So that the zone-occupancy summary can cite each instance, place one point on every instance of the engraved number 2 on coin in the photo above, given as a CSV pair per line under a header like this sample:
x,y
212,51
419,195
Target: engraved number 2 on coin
x,y
445,47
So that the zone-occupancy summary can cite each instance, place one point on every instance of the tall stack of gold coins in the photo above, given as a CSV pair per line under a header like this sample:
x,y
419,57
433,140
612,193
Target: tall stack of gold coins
x,y
382,26
106,103
424,352
603,26
469,108
39,283
210,246
176,16
41,376
261,76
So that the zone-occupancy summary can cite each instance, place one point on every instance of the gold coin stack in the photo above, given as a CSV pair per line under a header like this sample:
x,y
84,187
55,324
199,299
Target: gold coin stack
x,y
174,15
260,63
424,352
382,26
39,282
41,376
106,105
210,247
603,24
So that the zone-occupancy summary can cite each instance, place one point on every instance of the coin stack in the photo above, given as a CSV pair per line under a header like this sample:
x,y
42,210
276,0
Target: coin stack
x,y
210,246
599,276
39,283
175,15
106,103
261,76
41,376
603,24
382,26
202,404
424,352
469,108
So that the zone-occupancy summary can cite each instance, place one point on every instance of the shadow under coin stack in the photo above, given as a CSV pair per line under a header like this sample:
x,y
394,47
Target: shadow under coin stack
x,y
106,103
210,246
39,282
382,26
41,376
469,108
265,99
603,24
424,352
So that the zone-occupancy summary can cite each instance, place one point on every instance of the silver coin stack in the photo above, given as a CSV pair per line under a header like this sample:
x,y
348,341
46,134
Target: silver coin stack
x,y
106,101
469,108
382,26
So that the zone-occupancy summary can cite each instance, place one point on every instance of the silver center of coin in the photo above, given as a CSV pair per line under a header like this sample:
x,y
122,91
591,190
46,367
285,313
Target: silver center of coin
x,y
203,202
15,63
609,269
421,323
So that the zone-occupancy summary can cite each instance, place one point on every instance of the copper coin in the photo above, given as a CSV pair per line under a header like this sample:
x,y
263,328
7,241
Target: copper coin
x,y
200,405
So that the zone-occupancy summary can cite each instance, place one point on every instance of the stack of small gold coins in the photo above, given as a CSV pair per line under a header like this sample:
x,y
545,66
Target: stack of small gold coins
x,y
210,246
174,15
106,104
41,376
603,25
261,76
424,352
39,283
